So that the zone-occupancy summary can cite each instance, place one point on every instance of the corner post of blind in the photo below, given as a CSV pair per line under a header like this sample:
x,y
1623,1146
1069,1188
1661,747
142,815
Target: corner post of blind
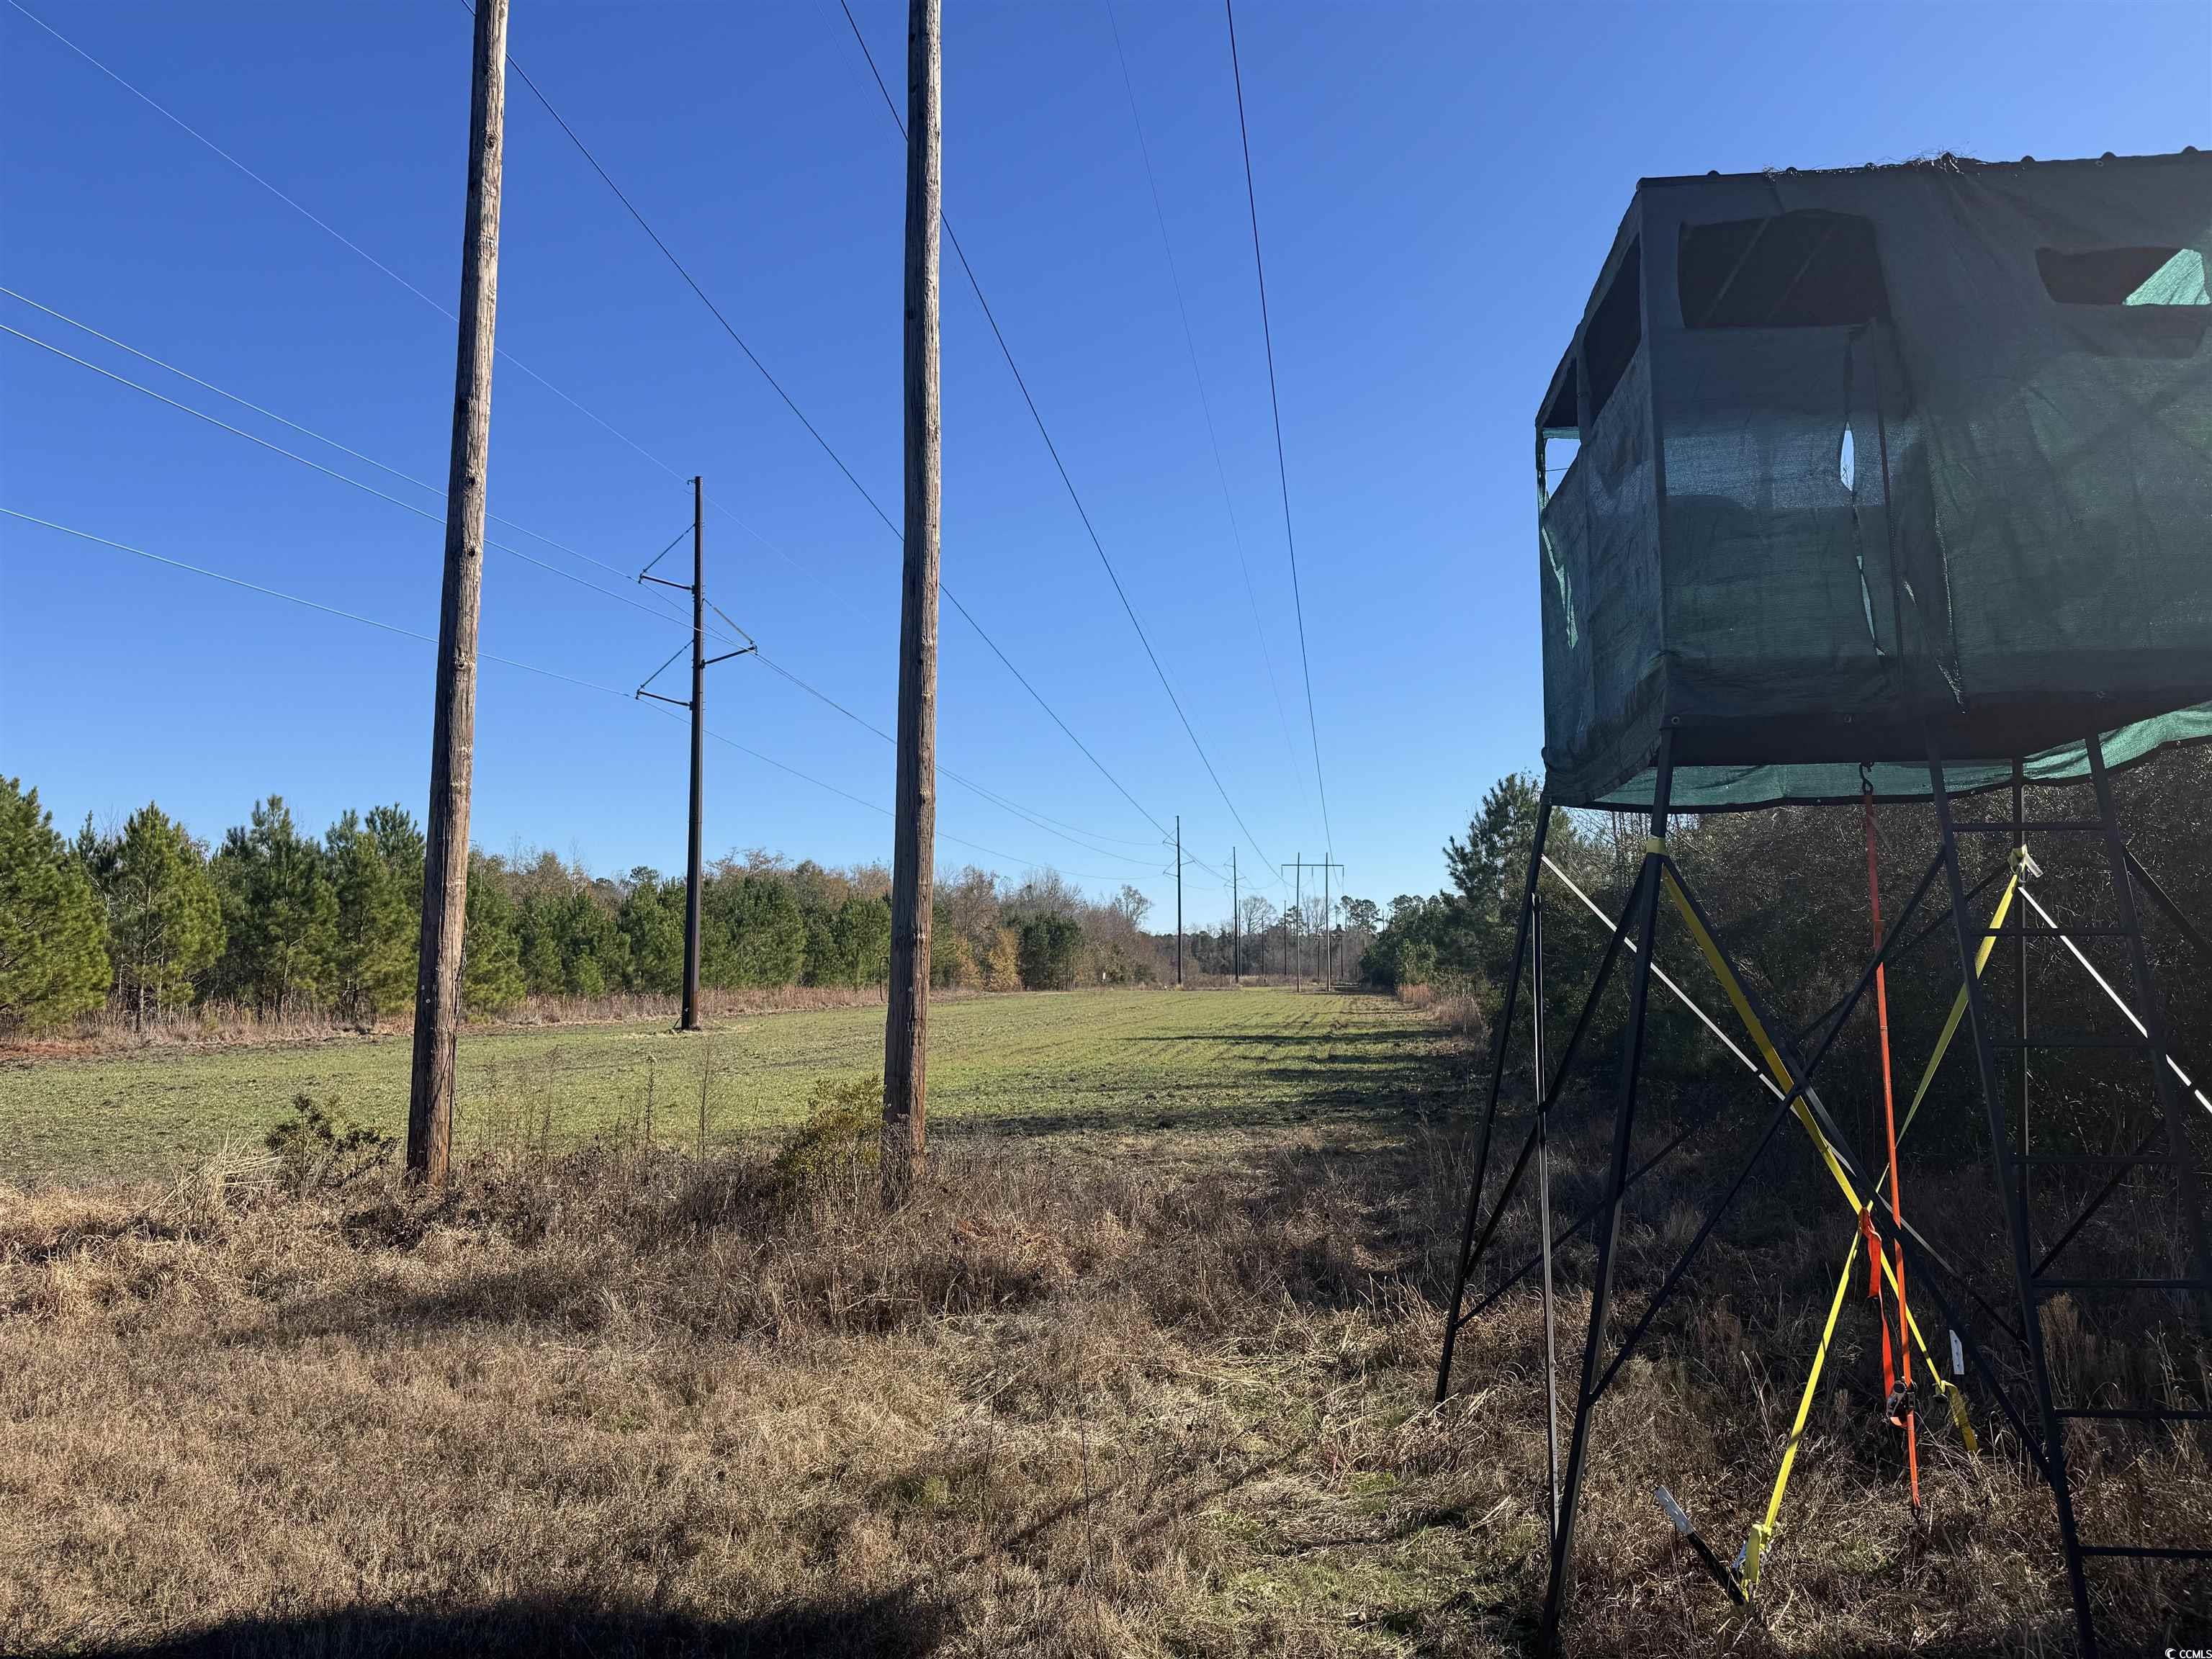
x,y
2053,1430
1646,910
1463,1265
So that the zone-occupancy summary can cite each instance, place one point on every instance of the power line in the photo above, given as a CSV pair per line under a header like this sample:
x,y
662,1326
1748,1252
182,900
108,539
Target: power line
x,y
815,432
1197,375
1000,800
285,421
1274,403
508,662
816,692
658,614
347,242
355,247
294,598
1053,449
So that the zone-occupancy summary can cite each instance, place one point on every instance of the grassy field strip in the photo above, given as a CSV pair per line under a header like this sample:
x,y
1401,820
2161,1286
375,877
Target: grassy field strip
x,y
1103,1061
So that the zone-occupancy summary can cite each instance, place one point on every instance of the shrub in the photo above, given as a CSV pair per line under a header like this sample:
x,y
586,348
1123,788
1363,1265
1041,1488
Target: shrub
x,y
1002,965
841,1137
317,1146
1049,944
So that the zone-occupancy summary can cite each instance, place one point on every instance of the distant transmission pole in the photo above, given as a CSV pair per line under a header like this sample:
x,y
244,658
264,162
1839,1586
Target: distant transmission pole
x,y
1178,901
1236,925
701,662
906,1025
1298,889
453,723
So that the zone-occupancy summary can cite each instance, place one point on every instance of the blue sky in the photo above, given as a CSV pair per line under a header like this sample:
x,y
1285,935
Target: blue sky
x,y
1436,186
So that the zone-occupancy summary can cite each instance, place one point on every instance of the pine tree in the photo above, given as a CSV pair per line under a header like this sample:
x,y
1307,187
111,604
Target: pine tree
x,y
279,912
164,916
491,958
651,920
53,938
371,961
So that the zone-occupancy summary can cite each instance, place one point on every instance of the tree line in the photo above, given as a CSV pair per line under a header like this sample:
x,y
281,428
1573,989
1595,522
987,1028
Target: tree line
x,y
147,919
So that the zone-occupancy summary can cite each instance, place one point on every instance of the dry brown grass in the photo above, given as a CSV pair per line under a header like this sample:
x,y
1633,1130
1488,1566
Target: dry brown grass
x,y
1059,1404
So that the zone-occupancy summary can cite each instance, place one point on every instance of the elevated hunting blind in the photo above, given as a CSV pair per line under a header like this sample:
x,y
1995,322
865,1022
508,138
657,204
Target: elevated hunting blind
x,y
1861,452
1896,483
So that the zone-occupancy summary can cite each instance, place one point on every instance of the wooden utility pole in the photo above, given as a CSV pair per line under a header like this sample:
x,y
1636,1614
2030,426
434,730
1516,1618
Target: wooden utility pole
x,y
453,723
1178,901
1328,932
1236,926
906,1025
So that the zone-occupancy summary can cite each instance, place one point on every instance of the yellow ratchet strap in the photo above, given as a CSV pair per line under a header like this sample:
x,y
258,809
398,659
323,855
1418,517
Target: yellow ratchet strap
x,y
1741,1004
1959,1003
1762,1535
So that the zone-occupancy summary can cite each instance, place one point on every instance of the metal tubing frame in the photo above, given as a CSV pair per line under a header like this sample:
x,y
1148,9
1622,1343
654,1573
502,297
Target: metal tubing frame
x,y
1566,1234
1645,906
1472,1256
1544,1223
2053,1460
2170,1104
1497,1082
2157,896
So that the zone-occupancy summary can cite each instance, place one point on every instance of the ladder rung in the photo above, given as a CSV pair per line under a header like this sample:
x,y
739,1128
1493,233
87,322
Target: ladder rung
x,y
2014,930
2062,825
2138,1413
2044,1286
2149,1551
2070,1042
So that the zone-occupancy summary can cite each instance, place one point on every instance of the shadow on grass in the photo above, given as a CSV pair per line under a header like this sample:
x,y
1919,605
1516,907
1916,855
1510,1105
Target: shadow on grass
x,y
895,1626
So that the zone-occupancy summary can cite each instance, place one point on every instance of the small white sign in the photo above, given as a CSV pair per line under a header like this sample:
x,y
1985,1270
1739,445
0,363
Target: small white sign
x,y
1958,1355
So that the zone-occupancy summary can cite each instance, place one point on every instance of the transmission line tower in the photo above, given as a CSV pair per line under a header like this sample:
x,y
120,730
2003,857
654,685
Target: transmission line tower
x,y
453,723
693,867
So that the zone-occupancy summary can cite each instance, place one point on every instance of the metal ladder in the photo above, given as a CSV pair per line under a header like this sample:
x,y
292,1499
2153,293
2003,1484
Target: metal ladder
x,y
2166,1145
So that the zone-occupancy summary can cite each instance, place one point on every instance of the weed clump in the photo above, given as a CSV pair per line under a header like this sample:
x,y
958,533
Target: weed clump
x,y
318,1147
841,1139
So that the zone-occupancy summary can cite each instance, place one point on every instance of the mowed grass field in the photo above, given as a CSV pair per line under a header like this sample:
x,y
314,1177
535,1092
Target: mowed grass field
x,y
1092,1063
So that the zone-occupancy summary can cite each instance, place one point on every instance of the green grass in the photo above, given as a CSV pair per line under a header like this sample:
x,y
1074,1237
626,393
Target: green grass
x,y
1094,1063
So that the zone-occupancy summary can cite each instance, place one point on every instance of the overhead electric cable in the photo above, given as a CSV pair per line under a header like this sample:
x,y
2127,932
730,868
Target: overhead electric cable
x,y
355,247
1205,403
1060,466
305,431
671,613
815,432
294,598
1274,403
658,614
508,662
943,771
331,230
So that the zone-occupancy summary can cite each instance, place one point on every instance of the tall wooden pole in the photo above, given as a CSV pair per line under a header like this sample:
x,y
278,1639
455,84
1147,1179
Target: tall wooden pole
x,y
694,859
906,1026
453,726
1328,930
1178,901
1236,926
